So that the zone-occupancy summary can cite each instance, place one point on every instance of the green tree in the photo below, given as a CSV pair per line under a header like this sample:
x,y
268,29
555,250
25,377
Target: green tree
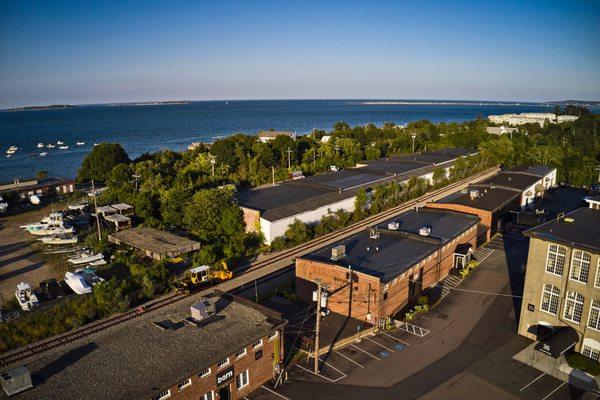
x,y
99,163
298,232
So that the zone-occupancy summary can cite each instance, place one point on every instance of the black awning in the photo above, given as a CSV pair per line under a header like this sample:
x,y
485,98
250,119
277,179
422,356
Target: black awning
x,y
463,249
561,340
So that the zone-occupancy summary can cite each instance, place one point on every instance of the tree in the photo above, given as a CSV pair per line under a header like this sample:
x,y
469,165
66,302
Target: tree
x,y
298,232
98,164
41,175
360,204
172,203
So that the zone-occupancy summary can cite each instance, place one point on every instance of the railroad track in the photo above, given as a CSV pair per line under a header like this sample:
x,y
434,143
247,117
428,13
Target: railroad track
x,y
22,353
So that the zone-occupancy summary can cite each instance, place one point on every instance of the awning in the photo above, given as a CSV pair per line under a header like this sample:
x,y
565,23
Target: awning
x,y
561,340
463,249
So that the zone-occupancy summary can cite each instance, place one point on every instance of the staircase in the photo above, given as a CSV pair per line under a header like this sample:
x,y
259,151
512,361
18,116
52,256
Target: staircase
x,y
444,287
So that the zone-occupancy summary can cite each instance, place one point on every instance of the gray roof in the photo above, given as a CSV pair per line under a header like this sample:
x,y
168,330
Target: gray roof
x,y
535,170
137,360
394,252
583,232
515,181
156,241
49,182
489,199
295,197
273,134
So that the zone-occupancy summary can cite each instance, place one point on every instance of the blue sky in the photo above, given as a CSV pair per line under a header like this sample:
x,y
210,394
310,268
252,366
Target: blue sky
x,y
93,52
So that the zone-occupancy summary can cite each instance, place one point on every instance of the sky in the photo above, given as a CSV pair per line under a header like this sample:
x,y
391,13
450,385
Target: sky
x,y
85,52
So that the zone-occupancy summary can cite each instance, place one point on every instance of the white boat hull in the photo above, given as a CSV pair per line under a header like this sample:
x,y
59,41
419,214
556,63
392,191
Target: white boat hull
x,y
48,230
77,283
58,240
86,259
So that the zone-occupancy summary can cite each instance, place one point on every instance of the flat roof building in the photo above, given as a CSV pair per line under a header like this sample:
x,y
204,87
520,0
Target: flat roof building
x,y
155,243
272,209
229,348
391,263
265,136
561,296
49,187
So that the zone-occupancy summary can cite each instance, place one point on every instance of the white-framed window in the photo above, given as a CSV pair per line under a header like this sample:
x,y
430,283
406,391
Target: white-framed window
x,y
555,260
597,281
273,335
550,299
223,363
573,307
580,266
208,396
257,344
204,373
591,352
594,317
183,384
241,353
165,394
242,380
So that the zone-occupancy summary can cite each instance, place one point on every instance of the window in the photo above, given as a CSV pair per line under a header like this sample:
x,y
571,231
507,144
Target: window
x,y
550,299
208,396
240,353
204,373
242,380
183,384
223,363
163,395
580,266
594,318
556,259
591,353
597,282
273,335
573,307
385,295
256,344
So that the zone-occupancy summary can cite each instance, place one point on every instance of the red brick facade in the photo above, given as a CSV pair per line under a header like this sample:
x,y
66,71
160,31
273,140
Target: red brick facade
x,y
369,294
260,362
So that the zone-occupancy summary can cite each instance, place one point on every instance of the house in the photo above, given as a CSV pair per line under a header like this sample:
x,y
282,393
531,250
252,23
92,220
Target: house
x,y
265,136
501,130
218,347
561,296
390,264
44,188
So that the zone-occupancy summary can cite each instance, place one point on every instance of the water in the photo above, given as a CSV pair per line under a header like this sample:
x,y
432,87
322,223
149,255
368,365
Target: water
x,y
140,129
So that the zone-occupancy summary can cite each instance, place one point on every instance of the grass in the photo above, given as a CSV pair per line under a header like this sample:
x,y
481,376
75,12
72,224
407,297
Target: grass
x,y
579,361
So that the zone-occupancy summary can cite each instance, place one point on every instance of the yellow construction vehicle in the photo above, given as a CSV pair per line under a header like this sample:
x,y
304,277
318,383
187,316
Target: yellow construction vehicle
x,y
202,275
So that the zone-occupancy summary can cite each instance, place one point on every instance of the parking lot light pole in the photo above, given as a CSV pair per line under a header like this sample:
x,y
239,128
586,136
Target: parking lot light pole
x,y
318,326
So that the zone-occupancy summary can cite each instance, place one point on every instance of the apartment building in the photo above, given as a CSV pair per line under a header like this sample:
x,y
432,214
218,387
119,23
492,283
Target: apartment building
x,y
561,299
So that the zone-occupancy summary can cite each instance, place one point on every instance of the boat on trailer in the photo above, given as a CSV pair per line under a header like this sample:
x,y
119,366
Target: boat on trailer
x,y
86,258
26,297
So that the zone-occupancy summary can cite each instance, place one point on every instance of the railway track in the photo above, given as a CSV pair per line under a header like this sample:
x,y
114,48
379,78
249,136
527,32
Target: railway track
x,y
25,352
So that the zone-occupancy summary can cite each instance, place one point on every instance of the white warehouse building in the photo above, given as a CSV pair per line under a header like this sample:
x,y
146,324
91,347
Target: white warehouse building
x,y
270,210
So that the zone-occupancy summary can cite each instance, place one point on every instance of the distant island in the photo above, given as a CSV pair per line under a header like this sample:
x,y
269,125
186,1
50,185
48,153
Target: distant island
x,y
50,107
151,103
575,103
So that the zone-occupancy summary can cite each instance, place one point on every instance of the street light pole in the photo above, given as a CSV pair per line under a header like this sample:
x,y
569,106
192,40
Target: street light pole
x,y
413,142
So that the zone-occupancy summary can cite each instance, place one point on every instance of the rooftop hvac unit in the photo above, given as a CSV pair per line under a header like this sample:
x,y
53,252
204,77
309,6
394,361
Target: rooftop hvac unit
x,y
202,309
474,193
374,234
338,252
425,231
16,380
394,226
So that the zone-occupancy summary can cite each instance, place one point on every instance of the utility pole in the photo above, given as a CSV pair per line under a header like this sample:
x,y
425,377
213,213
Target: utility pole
x,y
289,151
413,136
212,165
96,207
273,174
136,177
318,326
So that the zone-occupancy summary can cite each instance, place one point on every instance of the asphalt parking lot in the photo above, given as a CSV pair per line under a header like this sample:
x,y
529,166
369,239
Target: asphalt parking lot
x,y
468,348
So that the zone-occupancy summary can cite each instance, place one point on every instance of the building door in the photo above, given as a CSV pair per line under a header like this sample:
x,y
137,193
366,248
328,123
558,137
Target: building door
x,y
415,285
224,393
459,261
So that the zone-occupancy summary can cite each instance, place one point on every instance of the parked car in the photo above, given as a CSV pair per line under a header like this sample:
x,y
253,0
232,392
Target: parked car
x,y
52,289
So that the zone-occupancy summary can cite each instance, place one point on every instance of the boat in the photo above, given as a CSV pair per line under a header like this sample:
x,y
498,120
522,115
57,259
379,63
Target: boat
x,y
96,144
77,283
63,147
13,148
40,145
59,142
35,199
51,225
8,156
26,297
80,143
50,145
11,151
59,239
3,205
43,154
98,262
89,274
85,257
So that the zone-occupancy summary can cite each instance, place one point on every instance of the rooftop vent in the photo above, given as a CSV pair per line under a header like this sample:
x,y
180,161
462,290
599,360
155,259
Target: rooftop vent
x,y
425,231
569,219
474,193
338,252
16,380
202,309
394,226
374,233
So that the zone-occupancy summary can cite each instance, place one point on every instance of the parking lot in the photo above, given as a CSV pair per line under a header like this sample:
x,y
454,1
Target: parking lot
x,y
465,345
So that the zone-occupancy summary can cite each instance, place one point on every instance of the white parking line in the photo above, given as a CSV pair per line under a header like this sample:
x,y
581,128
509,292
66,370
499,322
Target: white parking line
x,y
379,344
552,392
326,363
274,392
319,375
395,338
349,359
526,386
366,352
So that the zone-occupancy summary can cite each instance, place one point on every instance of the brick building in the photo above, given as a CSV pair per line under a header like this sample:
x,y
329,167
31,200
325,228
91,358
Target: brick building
x,y
44,188
390,263
166,354
561,296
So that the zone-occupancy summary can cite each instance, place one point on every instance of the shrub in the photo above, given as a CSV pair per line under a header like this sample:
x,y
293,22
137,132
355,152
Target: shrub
x,y
579,361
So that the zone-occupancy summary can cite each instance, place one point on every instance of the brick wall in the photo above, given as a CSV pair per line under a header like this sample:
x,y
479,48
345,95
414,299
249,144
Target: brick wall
x,y
484,216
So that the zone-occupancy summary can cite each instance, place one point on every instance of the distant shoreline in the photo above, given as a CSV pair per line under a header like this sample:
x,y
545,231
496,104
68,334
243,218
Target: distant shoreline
x,y
447,103
50,107
151,103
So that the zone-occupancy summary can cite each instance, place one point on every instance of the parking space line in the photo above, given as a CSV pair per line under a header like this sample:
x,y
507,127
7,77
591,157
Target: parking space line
x,y
366,352
395,338
349,359
379,344
326,363
274,392
526,386
319,375
552,392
